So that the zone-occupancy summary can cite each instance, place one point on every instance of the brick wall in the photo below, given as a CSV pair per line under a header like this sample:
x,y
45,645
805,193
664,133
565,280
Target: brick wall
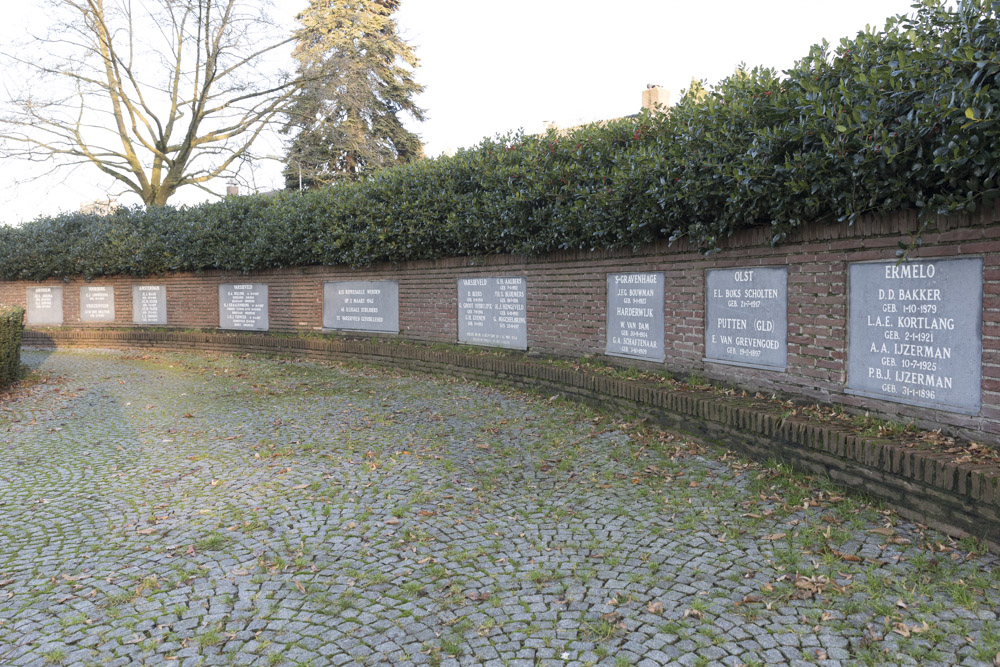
x,y
566,294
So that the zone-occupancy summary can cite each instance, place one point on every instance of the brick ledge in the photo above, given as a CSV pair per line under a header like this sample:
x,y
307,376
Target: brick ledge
x,y
957,498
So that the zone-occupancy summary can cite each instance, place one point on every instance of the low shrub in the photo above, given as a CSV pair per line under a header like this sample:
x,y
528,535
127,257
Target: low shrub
x,y
11,328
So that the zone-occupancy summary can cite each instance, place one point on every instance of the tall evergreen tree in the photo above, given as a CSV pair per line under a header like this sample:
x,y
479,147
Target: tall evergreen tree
x,y
357,82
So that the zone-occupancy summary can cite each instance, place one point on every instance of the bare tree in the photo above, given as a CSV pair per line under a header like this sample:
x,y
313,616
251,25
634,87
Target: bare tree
x,y
157,94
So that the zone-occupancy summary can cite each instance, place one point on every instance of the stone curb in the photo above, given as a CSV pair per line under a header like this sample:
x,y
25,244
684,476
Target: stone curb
x,y
957,498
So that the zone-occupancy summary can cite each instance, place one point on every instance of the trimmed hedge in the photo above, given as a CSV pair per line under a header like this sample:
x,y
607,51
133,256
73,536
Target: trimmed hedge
x,y
902,118
11,329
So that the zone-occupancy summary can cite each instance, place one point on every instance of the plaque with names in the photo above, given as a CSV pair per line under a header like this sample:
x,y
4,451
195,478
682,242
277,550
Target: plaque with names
x,y
493,312
916,332
45,305
97,303
149,304
635,316
361,306
746,317
243,306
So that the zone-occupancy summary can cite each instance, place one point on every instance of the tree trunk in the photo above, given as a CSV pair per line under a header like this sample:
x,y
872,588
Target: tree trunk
x,y
157,197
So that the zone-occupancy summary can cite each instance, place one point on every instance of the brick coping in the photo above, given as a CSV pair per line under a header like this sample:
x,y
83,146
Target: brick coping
x,y
957,498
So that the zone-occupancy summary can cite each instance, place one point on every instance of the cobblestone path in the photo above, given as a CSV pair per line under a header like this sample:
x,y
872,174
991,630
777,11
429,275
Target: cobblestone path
x,y
186,509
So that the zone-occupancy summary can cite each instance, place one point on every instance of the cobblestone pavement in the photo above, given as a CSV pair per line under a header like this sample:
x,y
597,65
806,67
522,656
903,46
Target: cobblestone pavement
x,y
186,509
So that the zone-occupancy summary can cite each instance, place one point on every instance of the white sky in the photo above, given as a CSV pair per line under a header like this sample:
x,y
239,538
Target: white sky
x,y
490,67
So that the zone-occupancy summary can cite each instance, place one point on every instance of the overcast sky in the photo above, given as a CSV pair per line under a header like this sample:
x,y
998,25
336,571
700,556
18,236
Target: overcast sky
x,y
491,67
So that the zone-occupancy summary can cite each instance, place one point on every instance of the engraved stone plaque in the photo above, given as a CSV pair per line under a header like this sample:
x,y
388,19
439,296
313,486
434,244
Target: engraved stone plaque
x,y
361,306
45,305
635,316
149,304
493,312
97,303
243,306
916,332
746,317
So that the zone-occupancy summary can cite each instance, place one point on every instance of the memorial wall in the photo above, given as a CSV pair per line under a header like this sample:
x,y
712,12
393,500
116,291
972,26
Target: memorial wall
x,y
830,315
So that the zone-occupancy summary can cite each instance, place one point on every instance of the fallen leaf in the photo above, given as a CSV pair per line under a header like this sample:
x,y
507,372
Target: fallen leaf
x,y
775,536
298,585
693,613
392,521
810,586
655,607
905,630
881,531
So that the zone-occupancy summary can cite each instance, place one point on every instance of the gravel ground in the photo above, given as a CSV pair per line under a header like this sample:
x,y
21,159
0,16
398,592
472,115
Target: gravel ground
x,y
212,510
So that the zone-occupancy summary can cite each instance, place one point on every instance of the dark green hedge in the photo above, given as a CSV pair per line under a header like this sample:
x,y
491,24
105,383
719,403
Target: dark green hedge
x,y
903,118
11,328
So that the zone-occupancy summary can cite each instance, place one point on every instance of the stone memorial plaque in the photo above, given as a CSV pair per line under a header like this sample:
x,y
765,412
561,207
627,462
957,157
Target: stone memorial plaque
x,y
45,305
493,312
362,306
243,306
149,304
746,317
635,316
916,332
97,303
